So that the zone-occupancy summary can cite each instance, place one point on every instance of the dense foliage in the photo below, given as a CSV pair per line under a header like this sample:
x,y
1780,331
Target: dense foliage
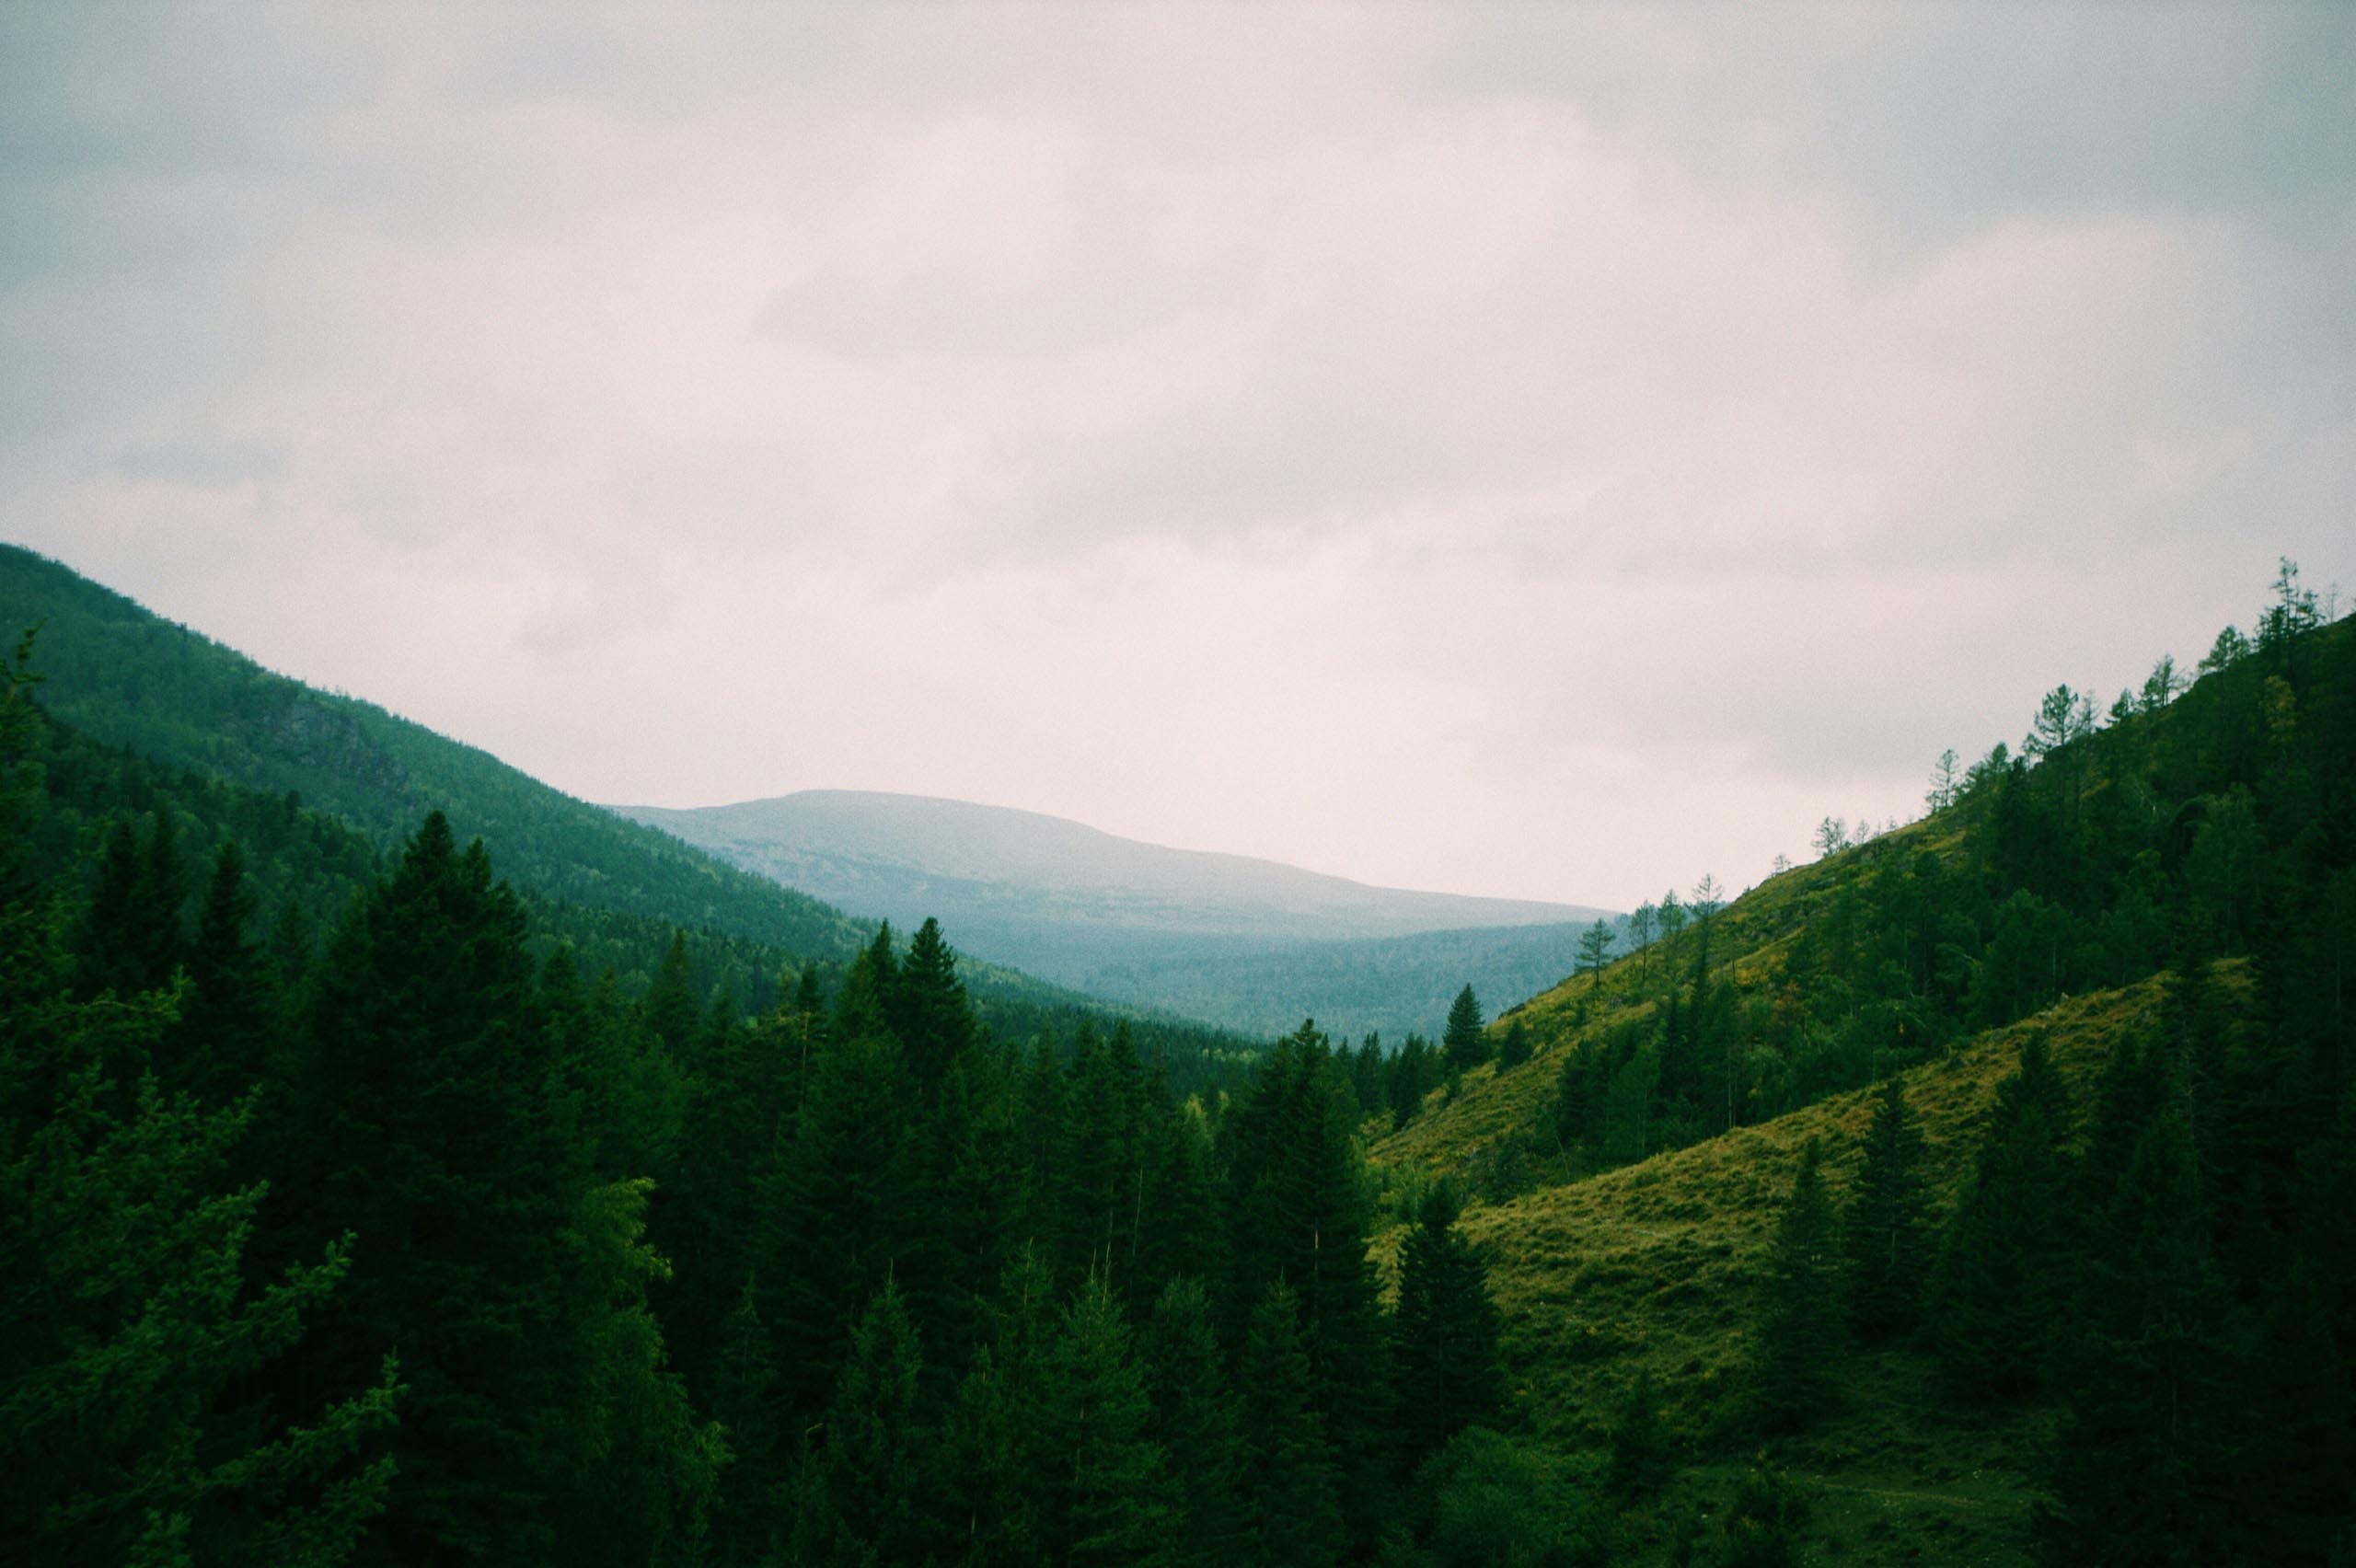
x,y
392,1235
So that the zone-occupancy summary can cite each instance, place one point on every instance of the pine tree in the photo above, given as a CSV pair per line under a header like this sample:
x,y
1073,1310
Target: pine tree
x,y
1109,1494
132,1329
2004,1267
1298,1212
671,1012
424,1128
1292,1511
1514,1049
1195,1422
841,1213
1462,1040
1885,1235
643,1471
2140,1471
878,1458
1445,1329
929,1008
222,1042
1799,1322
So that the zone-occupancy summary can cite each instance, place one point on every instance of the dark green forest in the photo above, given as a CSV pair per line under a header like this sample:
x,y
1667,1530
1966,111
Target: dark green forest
x,y
362,1205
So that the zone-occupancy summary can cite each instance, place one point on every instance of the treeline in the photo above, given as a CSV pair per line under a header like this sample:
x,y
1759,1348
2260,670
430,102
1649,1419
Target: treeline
x,y
400,1236
2171,1262
2192,826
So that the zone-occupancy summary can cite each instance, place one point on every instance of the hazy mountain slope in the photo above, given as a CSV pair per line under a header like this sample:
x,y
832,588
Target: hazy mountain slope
x,y
1244,942
872,851
126,677
123,678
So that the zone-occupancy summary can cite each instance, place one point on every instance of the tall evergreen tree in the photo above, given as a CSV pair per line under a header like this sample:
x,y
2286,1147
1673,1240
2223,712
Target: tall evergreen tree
x,y
424,1115
1885,1235
2140,1471
1195,1422
841,1214
1799,1317
1292,1508
928,1010
1109,1493
1446,1330
222,1039
878,1461
2004,1268
1462,1040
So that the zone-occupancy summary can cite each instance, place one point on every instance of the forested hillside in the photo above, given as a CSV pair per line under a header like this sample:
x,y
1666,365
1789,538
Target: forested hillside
x,y
177,714
1980,1192
2039,1293
401,1242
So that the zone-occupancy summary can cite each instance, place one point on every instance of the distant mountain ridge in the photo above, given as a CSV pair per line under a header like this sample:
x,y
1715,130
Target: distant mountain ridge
x,y
868,851
1249,943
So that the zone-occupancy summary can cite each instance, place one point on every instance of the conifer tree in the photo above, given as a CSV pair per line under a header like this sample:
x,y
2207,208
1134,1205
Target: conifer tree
x,y
131,1329
928,1010
2140,1471
841,1213
671,1009
1799,1320
1298,1212
1109,1493
2004,1269
1446,1331
223,1037
1884,1236
424,1129
1195,1422
878,1461
1514,1049
1462,1040
995,1427
743,1385
643,1471
1293,1516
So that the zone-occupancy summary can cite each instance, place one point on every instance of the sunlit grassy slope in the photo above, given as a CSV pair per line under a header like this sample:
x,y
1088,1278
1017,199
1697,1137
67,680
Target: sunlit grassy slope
x,y
1653,1267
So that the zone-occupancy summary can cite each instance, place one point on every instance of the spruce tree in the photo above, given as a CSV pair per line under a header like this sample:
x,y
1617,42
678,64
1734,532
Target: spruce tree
x,y
2004,1270
1293,1516
1449,1375
878,1461
1195,1422
2141,1472
928,1010
1298,1213
1108,1491
841,1212
424,1129
133,1328
222,1039
1462,1040
1884,1236
1800,1315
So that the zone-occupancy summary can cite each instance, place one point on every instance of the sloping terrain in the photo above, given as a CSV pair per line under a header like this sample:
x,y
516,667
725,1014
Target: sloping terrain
x,y
1247,943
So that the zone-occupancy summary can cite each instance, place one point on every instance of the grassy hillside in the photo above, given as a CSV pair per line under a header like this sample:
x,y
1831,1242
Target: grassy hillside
x,y
2053,901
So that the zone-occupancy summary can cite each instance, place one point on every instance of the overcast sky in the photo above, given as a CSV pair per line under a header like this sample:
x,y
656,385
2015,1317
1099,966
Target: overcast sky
x,y
1506,451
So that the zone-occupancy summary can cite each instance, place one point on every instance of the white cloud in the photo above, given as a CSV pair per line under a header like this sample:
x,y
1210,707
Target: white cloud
x,y
1473,449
